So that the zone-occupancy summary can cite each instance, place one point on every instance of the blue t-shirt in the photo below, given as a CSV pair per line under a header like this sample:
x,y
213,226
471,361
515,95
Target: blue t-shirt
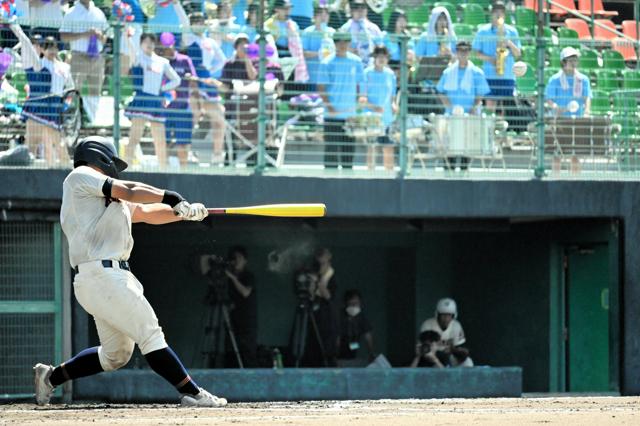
x,y
282,40
380,89
554,92
430,46
311,42
459,97
302,8
341,76
485,42
392,43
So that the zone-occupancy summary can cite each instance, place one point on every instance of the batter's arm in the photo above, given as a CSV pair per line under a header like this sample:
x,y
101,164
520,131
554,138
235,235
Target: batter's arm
x,y
154,214
136,192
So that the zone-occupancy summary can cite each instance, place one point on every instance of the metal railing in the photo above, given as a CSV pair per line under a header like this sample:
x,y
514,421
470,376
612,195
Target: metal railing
x,y
262,127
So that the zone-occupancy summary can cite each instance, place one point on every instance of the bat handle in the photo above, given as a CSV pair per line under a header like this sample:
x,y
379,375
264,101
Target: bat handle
x,y
217,211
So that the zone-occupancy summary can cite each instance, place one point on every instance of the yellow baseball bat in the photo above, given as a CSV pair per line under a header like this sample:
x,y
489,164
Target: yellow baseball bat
x,y
275,210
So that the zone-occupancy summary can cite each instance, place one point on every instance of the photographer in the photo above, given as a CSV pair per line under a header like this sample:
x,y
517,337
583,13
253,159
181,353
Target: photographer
x,y
232,284
322,288
428,353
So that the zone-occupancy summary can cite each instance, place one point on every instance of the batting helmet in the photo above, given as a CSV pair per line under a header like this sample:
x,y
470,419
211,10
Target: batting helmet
x,y
100,152
447,306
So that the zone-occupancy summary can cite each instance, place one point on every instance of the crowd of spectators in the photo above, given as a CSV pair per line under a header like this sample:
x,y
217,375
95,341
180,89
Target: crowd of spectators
x,y
185,59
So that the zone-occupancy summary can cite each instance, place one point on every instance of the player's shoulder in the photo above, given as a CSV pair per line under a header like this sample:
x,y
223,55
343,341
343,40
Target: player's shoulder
x,y
80,174
483,29
430,324
455,325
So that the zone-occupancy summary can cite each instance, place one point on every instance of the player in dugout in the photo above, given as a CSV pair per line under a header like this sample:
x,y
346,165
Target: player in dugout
x,y
96,216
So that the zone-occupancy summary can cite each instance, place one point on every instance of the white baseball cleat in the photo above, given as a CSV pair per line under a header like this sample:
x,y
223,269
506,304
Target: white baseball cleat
x,y
203,399
43,386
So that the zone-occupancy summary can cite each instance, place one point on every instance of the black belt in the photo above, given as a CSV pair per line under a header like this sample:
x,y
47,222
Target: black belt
x,y
122,264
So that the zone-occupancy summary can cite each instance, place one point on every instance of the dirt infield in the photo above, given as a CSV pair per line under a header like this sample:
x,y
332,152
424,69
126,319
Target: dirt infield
x,y
521,411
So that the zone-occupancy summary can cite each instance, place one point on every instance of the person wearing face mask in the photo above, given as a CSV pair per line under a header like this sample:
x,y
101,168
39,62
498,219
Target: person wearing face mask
x,y
452,336
354,329
148,72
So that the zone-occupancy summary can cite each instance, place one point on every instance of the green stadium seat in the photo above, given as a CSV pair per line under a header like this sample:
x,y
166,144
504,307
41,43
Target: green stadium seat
x,y
529,55
553,56
525,17
606,81
612,60
600,103
567,37
463,31
18,80
625,105
628,124
450,7
416,16
631,79
474,14
527,84
589,59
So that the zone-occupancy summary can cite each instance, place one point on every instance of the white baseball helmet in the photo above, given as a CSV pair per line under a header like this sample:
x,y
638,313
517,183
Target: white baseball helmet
x,y
447,306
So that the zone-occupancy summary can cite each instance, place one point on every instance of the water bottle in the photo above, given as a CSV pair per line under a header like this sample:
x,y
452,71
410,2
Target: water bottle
x,y
277,359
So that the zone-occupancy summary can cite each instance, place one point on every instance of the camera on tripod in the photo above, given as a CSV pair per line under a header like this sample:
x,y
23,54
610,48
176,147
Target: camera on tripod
x,y
304,284
218,282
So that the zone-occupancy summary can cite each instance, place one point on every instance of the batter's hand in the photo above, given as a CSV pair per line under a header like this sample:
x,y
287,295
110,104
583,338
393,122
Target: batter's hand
x,y
197,212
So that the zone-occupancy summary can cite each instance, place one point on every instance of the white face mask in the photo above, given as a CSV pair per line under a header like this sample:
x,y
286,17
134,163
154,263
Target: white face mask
x,y
353,310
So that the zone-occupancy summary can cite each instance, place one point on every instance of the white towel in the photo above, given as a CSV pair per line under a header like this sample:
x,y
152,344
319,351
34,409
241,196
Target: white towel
x,y
451,81
577,83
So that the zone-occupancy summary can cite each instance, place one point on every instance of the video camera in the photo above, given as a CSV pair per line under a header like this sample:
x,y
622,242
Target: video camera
x,y
218,291
303,283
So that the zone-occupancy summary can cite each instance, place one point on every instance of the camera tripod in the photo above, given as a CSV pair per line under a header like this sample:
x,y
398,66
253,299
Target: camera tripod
x,y
304,314
216,322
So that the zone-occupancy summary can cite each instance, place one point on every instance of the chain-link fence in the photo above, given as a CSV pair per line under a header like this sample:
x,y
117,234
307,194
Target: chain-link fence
x,y
444,89
30,303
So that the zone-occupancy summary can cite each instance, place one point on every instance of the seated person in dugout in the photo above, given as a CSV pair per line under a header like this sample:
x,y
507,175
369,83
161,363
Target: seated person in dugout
x,y
451,333
354,329
428,353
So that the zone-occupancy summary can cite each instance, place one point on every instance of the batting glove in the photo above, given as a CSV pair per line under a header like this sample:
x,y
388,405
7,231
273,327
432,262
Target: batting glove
x,y
182,209
197,212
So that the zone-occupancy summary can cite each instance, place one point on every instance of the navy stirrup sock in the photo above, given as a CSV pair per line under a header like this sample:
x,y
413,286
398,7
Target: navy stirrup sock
x,y
167,364
85,363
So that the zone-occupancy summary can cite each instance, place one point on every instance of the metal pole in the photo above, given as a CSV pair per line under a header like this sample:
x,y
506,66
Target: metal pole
x,y
404,93
115,81
540,45
262,116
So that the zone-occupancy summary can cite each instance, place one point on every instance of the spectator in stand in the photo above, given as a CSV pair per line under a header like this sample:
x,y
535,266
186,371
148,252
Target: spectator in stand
x,y
452,337
148,71
46,17
303,12
569,85
379,96
317,43
498,46
179,119
225,29
440,37
397,27
208,60
462,84
240,67
338,13
84,27
131,29
251,26
338,86
364,33
354,328
286,35
49,79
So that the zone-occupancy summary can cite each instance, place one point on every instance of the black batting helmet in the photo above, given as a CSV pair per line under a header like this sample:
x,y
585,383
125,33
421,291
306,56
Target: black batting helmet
x,y
100,152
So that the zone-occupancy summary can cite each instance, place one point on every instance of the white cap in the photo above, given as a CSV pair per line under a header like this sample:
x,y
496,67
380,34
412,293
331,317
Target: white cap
x,y
568,52
447,306
241,36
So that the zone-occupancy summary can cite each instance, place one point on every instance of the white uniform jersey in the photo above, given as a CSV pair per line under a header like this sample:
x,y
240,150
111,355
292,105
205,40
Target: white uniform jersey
x,y
453,335
94,231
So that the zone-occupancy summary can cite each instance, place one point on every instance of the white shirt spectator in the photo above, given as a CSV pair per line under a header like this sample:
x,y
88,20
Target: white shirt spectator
x,y
364,36
80,19
453,335
155,69
45,14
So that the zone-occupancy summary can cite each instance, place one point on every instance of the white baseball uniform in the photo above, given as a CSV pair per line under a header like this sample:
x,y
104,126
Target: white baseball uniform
x,y
113,296
454,335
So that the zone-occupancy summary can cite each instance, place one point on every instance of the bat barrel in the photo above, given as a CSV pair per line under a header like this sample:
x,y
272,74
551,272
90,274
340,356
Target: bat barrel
x,y
274,210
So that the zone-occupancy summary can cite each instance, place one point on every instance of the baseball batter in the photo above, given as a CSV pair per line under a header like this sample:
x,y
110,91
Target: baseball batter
x,y
96,216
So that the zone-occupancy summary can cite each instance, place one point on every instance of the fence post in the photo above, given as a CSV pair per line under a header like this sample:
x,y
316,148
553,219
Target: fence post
x,y
404,94
262,117
115,81
540,45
